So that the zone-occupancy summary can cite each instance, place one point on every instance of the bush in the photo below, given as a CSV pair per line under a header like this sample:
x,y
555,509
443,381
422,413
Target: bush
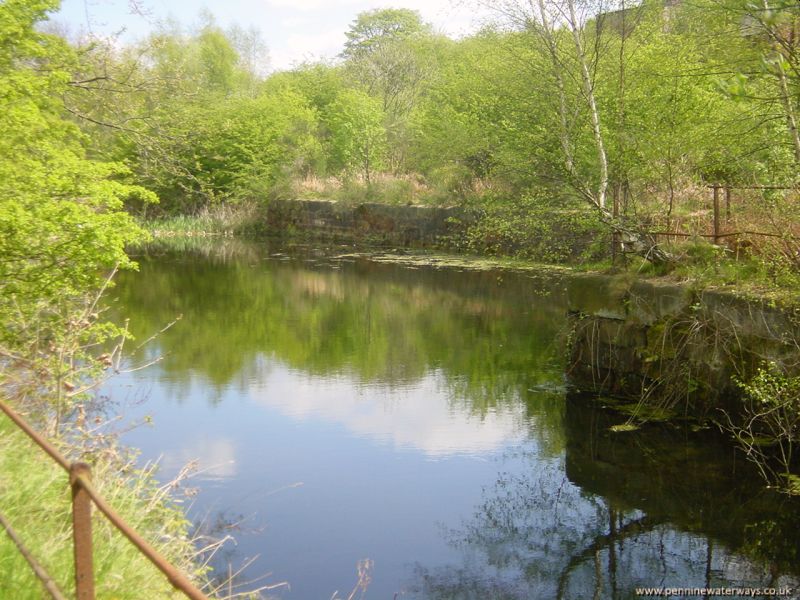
x,y
771,426
538,228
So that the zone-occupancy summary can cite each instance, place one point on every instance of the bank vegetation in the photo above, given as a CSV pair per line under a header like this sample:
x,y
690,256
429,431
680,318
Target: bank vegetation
x,y
609,121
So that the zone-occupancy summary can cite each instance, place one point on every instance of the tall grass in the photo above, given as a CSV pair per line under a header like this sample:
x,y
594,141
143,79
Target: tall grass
x,y
221,219
35,499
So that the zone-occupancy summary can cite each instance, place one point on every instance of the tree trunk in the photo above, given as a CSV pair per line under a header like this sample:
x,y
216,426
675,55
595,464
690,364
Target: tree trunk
x,y
791,120
632,239
588,90
550,42
786,96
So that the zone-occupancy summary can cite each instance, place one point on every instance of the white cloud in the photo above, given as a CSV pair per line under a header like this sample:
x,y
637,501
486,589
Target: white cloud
x,y
306,47
314,29
420,416
294,22
307,5
216,458
294,30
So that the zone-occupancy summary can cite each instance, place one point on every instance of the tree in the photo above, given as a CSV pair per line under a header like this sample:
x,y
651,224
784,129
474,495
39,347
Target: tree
x,y
459,127
252,53
381,27
383,54
247,146
571,43
358,138
554,23
152,105
217,59
62,227
774,27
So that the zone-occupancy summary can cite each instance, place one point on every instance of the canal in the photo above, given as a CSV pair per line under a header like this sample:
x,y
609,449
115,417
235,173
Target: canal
x,y
340,411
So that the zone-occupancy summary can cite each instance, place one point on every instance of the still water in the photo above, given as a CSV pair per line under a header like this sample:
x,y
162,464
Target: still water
x,y
339,409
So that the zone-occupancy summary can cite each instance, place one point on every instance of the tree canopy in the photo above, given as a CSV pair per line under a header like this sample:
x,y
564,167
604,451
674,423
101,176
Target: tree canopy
x,y
624,115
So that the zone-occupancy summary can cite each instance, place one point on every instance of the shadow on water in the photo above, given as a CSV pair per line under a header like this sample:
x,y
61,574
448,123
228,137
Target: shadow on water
x,y
662,506
431,402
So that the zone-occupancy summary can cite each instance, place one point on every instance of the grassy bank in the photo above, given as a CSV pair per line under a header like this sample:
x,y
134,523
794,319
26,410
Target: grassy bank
x,y
215,220
35,499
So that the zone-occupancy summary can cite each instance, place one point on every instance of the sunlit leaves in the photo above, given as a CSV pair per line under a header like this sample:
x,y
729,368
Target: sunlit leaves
x,y
358,137
62,227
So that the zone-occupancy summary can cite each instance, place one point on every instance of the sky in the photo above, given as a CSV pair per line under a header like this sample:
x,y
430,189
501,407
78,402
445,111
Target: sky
x,y
294,31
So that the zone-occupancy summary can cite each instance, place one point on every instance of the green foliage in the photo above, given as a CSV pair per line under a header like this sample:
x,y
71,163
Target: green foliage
x,y
239,148
772,414
251,144
217,59
456,128
686,95
184,113
388,56
62,231
660,122
534,227
376,28
62,227
205,62
319,84
358,138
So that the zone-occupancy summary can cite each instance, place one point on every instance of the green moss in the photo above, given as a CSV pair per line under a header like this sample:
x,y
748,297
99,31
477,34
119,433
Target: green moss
x,y
473,263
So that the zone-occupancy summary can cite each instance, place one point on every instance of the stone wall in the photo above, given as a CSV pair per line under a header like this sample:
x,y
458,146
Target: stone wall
x,y
670,344
556,235
381,223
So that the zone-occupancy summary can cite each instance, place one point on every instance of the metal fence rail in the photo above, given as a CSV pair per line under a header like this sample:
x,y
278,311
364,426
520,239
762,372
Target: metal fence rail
x,y
38,570
715,201
719,215
83,496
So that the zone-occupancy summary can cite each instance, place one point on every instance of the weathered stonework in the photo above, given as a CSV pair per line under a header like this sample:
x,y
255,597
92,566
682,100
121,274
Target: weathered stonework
x,y
671,345
398,225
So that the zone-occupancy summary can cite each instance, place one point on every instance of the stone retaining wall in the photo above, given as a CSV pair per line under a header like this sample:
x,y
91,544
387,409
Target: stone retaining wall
x,y
670,344
399,225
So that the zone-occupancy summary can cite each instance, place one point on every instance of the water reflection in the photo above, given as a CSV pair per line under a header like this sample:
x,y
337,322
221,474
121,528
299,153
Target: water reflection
x,y
375,321
315,391
215,457
654,508
431,360
423,415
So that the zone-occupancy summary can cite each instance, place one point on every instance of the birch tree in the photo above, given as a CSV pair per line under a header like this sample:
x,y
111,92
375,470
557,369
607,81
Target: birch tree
x,y
556,24
777,25
568,33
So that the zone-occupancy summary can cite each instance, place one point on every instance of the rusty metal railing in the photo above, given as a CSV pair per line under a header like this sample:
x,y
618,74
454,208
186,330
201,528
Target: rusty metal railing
x,y
717,216
83,496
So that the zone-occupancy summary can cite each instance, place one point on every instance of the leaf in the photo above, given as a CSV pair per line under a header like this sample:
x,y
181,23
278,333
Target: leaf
x,y
624,427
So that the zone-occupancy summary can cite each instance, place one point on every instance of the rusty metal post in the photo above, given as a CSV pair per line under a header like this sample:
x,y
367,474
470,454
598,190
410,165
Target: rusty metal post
x,y
716,213
83,497
82,532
